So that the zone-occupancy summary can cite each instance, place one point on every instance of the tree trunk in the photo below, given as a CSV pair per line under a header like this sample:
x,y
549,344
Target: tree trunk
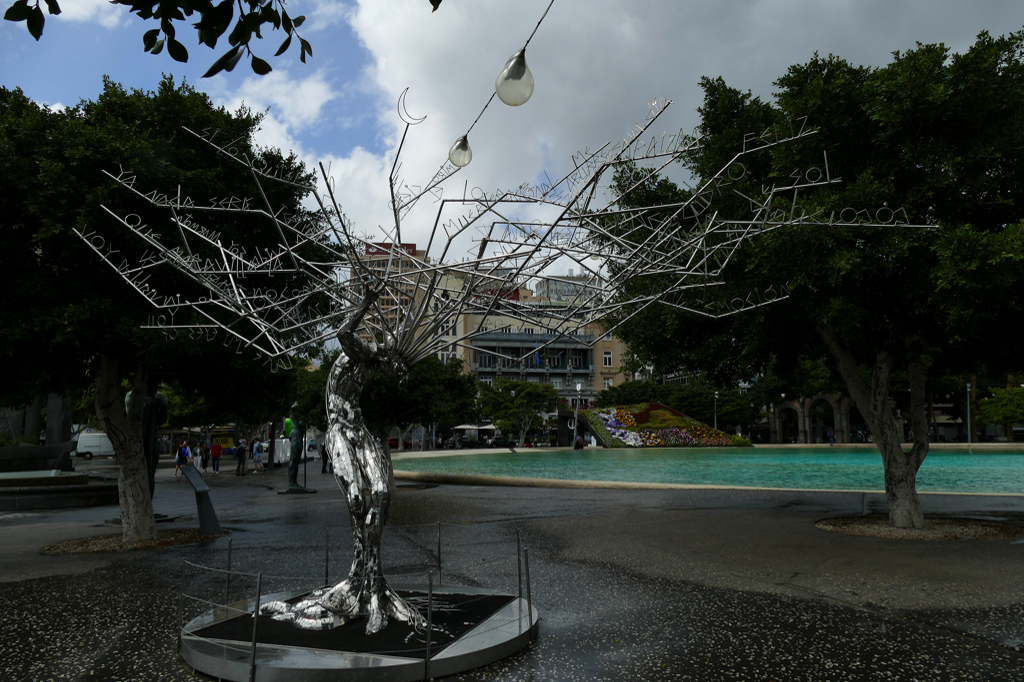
x,y
125,432
33,420
875,406
58,419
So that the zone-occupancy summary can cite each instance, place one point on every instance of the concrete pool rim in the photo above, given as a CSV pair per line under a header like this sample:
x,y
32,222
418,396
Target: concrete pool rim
x,y
516,481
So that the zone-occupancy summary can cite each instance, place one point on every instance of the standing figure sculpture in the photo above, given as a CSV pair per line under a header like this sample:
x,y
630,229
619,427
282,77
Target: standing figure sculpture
x,y
365,475
297,439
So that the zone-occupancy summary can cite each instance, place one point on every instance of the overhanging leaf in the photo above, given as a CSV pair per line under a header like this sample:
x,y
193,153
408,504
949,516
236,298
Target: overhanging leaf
x,y
19,11
149,39
284,47
177,50
221,63
35,22
260,66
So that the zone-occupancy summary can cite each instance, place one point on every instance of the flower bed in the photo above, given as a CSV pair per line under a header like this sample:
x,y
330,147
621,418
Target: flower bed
x,y
626,427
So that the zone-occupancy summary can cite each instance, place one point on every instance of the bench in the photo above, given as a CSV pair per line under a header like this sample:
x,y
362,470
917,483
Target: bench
x,y
208,524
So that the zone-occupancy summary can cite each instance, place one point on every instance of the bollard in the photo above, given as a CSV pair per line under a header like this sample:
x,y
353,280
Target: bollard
x,y
529,596
327,556
255,622
227,581
439,553
430,624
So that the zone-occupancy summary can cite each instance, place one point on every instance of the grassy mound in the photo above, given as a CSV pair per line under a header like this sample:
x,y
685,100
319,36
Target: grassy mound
x,y
651,425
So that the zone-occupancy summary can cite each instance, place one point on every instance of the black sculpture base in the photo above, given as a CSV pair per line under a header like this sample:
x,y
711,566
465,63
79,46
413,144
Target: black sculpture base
x,y
472,627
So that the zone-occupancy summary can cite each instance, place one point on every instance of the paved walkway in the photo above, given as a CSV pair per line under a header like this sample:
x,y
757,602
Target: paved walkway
x,y
631,584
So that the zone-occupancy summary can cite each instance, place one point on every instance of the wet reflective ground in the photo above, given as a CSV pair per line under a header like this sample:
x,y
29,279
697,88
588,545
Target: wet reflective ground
x,y
631,585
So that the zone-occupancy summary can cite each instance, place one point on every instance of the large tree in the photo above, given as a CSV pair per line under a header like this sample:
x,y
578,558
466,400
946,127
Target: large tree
x,y
931,139
70,319
433,393
517,407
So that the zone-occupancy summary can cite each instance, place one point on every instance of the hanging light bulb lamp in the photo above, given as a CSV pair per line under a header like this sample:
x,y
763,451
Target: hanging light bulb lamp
x,y
460,154
514,85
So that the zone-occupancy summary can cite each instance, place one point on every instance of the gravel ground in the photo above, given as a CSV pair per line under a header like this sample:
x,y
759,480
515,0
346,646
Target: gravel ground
x,y
657,585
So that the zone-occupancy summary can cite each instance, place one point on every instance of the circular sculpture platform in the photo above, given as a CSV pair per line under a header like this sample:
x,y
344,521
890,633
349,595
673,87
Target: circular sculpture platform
x,y
472,627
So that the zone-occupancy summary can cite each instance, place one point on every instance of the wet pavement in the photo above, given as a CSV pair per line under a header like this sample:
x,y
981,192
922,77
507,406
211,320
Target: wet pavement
x,y
630,584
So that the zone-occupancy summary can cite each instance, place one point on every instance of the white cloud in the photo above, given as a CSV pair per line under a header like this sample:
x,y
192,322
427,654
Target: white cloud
x,y
597,65
94,11
298,104
323,15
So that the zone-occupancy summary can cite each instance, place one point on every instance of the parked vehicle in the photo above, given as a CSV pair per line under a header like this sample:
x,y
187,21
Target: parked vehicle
x,y
94,445
500,442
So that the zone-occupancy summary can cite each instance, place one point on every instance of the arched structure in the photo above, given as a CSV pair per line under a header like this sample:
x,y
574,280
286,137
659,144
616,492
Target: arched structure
x,y
841,406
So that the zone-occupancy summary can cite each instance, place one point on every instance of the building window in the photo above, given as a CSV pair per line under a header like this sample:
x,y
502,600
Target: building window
x,y
485,380
607,359
608,382
556,382
577,359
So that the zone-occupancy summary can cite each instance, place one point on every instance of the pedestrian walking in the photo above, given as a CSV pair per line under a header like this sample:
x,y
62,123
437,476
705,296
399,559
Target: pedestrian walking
x,y
181,457
257,458
322,449
204,455
240,450
215,450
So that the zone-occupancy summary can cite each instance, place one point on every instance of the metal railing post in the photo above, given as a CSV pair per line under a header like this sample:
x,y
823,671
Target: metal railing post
x,y
227,581
438,552
529,595
430,624
519,577
327,556
255,622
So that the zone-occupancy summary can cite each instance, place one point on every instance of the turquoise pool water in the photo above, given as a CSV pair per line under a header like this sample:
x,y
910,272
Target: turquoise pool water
x,y
819,469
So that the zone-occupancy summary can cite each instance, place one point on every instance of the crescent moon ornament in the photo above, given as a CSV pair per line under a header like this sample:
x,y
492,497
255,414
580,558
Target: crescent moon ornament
x,y
404,114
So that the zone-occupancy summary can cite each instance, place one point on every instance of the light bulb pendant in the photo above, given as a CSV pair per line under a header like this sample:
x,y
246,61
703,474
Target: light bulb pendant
x,y
460,154
514,85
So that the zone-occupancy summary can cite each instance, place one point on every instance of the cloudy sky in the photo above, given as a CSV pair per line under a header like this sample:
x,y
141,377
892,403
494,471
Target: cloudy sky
x,y
597,64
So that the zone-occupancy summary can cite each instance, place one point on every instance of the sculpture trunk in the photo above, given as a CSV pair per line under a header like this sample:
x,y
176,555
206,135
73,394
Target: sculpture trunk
x,y
364,473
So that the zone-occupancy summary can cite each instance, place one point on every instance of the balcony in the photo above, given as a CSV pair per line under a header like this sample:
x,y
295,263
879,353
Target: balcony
x,y
541,337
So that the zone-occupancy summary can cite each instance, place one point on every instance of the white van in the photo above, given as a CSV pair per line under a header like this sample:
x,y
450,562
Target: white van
x,y
94,445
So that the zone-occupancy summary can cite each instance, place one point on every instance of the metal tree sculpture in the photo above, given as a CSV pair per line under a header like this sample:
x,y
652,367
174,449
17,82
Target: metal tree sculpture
x,y
389,308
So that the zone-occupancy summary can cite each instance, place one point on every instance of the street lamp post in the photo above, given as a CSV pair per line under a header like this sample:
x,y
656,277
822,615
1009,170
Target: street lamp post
x,y
576,415
716,410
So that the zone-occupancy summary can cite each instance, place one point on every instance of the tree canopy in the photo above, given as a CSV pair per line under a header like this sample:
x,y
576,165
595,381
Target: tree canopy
x,y
935,138
70,319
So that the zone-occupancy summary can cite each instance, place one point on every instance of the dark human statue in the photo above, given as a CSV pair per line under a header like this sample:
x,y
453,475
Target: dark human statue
x,y
298,441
